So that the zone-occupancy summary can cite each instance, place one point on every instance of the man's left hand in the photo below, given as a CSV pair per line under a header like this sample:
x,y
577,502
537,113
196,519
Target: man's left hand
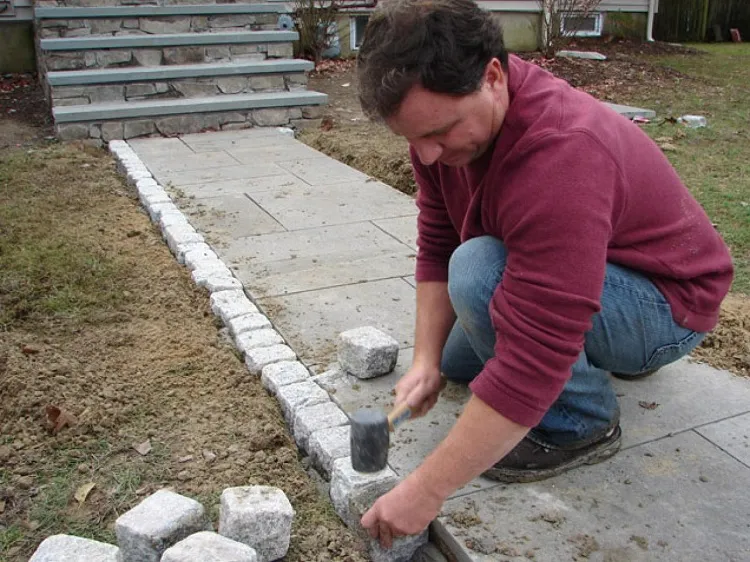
x,y
406,510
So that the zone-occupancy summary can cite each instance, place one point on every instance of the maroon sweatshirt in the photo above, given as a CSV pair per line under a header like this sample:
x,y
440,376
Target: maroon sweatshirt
x,y
568,186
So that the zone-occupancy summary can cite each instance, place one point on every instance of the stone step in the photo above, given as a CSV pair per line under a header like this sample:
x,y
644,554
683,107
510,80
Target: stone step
x,y
174,82
104,129
156,108
166,40
64,22
166,49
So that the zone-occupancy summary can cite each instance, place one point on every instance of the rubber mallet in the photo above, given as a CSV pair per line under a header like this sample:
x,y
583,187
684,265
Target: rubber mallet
x,y
370,436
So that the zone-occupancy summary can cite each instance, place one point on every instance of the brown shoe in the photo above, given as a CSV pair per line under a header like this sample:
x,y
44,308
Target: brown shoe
x,y
530,461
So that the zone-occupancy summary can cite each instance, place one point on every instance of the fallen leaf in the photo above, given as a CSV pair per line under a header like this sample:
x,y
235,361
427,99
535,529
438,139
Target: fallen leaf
x,y
83,492
664,139
648,405
186,458
667,147
143,448
57,418
346,85
29,350
2,506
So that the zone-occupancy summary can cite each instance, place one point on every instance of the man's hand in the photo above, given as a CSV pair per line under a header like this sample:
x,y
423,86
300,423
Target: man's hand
x,y
406,510
419,388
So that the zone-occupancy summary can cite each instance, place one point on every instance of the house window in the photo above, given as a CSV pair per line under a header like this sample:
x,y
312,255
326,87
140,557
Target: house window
x,y
589,25
357,26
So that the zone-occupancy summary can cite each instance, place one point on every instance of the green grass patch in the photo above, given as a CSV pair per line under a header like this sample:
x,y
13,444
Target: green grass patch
x,y
51,263
714,161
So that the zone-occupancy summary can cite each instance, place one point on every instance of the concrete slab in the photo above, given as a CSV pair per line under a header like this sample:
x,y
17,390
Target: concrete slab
x,y
311,321
732,436
257,170
415,439
403,229
230,216
336,204
674,500
305,260
317,171
239,140
158,146
277,152
184,160
687,395
243,185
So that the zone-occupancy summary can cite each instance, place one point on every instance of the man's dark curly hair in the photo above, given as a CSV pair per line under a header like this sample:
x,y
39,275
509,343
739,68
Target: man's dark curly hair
x,y
443,45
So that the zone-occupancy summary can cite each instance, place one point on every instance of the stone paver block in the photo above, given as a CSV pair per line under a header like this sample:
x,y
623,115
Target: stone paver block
x,y
247,341
191,161
174,219
156,210
181,236
208,269
248,323
402,550
150,200
198,256
258,516
299,395
631,112
366,352
256,359
673,500
161,520
351,489
67,548
208,546
221,282
328,445
231,304
589,55
137,174
732,435
284,373
313,418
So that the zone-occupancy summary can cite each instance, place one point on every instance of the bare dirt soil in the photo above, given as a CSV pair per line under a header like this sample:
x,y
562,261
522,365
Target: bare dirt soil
x,y
115,378
348,136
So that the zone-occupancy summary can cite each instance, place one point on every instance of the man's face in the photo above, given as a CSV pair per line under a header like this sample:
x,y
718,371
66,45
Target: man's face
x,y
453,130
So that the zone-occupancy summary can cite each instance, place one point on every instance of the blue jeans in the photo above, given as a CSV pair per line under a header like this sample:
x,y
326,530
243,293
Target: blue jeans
x,y
633,333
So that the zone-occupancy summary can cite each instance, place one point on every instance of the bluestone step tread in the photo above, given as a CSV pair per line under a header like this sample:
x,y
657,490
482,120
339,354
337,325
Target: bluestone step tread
x,y
171,72
146,11
152,108
166,40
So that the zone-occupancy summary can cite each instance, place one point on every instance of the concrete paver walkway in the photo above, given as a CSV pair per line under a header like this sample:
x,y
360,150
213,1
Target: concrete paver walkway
x,y
322,248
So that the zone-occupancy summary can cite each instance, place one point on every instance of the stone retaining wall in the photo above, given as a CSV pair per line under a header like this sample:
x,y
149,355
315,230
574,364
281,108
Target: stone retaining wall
x,y
295,117
104,58
177,88
156,25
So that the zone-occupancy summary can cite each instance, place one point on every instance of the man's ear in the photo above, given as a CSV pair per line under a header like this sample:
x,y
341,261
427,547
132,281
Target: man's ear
x,y
494,76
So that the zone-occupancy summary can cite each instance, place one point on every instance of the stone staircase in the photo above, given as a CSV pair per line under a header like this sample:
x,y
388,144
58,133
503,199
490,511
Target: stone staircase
x,y
123,71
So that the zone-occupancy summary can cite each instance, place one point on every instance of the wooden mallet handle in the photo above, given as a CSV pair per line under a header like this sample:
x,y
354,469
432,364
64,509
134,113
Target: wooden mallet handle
x,y
400,413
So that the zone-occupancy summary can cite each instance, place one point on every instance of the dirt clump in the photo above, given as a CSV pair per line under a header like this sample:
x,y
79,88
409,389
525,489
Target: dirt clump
x,y
727,346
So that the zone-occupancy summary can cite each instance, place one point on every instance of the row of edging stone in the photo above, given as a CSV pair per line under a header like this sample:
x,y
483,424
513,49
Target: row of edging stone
x,y
319,426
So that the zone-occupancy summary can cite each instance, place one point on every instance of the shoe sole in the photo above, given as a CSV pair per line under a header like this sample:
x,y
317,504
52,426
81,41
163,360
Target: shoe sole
x,y
594,456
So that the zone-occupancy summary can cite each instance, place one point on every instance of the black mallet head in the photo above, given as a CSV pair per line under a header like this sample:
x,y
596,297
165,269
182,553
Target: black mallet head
x,y
370,437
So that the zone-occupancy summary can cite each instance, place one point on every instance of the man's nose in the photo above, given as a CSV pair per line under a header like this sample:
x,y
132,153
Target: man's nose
x,y
428,152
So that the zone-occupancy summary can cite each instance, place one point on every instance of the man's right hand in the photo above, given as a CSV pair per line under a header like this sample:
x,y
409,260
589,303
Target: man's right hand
x,y
420,388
